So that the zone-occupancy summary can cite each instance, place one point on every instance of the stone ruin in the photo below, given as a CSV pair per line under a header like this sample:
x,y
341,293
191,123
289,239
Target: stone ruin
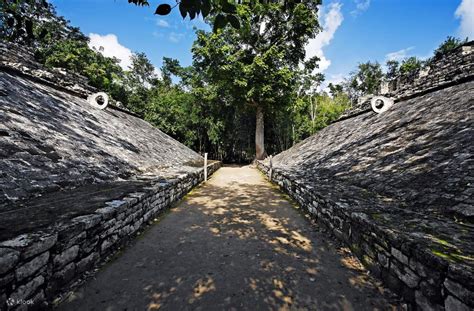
x,y
398,187
76,182
454,68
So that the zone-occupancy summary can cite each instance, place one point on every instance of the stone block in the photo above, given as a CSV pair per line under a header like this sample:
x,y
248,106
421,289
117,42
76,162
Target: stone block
x,y
76,240
453,304
66,257
399,256
41,243
39,302
107,243
8,259
69,230
424,304
119,205
25,291
462,293
107,212
63,276
407,276
89,221
432,291
87,263
29,268
463,275
20,242
89,245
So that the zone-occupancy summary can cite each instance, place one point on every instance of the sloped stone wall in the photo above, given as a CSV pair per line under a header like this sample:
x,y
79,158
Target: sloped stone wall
x,y
424,279
35,267
455,67
52,141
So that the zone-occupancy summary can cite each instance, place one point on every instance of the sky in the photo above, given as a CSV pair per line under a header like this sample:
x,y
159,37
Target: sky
x,y
353,31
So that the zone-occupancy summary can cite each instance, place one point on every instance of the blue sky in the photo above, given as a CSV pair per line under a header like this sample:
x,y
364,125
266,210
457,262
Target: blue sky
x,y
354,30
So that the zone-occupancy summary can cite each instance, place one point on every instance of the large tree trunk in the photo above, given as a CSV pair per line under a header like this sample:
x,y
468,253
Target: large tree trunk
x,y
259,135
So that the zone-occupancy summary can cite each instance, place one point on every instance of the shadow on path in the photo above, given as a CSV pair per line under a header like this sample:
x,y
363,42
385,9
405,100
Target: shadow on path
x,y
233,243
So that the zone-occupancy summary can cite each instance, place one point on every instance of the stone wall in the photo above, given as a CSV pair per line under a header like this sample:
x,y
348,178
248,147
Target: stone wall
x,y
422,278
37,266
52,141
453,68
397,187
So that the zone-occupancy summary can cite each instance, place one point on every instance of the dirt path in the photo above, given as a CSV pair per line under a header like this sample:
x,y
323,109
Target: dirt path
x,y
233,243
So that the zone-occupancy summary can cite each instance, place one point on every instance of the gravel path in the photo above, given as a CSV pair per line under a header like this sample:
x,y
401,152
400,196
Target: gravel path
x,y
234,243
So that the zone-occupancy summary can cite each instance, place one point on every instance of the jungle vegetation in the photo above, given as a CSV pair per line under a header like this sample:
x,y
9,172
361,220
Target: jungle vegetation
x,y
250,91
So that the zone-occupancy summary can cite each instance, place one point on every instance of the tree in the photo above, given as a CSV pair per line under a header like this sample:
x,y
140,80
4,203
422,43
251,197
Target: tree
x,y
410,65
366,79
335,89
447,45
34,23
257,65
76,56
393,69
141,72
224,11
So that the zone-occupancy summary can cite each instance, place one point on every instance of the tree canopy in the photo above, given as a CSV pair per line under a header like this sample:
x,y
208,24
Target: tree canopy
x,y
246,83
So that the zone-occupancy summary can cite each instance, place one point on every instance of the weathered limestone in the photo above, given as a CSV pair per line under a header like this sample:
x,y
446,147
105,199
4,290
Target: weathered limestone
x,y
415,274
455,67
77,186
81,145
398,188
35,267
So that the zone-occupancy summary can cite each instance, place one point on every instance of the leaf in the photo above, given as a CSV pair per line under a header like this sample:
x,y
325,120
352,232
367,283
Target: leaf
x,y
219,22
183,10
163,9
139,2
205,8
228,7
234,21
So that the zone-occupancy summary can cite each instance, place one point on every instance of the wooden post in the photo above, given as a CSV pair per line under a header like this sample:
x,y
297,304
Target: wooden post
x,y
271,168
205,166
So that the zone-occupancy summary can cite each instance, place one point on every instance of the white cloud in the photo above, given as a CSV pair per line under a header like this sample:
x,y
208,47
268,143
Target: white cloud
x,y
162,23
175,37
361,6
399,55
465,12
331,20
109,46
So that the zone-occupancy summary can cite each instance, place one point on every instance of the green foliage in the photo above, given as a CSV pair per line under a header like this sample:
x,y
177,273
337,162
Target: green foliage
x,y
259,62
141,73
173,111
257,65
335,89
410,65
103,72
34,23
365,80
393,69
449,44
222,12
